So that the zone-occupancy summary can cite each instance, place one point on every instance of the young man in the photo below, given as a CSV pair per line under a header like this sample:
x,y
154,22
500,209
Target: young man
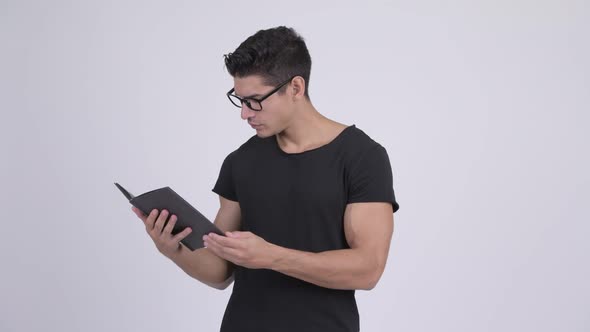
x,y
306,204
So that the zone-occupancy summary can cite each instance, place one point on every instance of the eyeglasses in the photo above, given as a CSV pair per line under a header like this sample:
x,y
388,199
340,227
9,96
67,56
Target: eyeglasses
x,y
254,104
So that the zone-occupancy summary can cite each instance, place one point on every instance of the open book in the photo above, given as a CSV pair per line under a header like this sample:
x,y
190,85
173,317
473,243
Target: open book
x,y
186,214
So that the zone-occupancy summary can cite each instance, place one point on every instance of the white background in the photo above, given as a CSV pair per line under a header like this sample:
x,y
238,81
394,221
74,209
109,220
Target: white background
x,y
483,107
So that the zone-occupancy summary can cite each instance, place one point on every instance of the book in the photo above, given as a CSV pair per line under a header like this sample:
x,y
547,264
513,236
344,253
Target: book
x,y
186,214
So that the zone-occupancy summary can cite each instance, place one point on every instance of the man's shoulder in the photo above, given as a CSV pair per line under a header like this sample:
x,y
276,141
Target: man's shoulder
x,y
358,141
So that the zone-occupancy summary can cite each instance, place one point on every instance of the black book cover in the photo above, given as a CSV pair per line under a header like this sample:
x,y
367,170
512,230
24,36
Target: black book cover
x,y
186,214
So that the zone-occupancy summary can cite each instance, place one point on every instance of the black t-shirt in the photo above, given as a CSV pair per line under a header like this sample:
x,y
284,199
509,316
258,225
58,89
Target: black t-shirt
x,y
297,201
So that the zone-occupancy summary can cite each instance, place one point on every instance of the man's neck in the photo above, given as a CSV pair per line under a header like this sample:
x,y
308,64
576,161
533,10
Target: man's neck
x,y
307,131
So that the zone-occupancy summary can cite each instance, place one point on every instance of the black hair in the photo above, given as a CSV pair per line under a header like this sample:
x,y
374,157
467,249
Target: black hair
x,y
275,54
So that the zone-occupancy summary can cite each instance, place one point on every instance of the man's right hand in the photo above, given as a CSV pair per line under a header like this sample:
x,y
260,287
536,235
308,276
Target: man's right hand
x,y
167,244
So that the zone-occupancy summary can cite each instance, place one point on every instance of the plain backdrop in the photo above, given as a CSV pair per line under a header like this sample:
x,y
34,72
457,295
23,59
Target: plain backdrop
x,y
483,107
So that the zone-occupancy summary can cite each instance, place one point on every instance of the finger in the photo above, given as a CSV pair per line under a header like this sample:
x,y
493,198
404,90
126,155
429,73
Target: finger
x,y
237,234
180,236
214,247
229,254
138,213
160,221
224,241
149,221
232,254
170,226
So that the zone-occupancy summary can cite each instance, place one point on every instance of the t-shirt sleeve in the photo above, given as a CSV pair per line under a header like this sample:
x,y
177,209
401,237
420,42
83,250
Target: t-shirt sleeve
x,y
371,178
226,185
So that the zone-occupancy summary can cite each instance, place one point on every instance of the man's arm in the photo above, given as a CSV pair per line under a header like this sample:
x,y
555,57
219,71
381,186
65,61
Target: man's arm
x,y
204,265
368,228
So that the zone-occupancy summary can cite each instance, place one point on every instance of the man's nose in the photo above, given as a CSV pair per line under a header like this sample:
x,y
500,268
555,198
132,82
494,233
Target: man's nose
x,y
247,112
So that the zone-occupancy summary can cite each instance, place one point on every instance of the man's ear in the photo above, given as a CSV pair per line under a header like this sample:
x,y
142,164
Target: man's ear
x,y
298,85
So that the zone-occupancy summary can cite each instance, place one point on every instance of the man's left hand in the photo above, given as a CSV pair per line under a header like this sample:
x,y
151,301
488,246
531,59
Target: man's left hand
x,y
241,248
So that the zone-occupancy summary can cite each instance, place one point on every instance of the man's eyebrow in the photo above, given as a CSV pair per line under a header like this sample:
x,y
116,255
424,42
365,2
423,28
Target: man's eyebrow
x,y
250,96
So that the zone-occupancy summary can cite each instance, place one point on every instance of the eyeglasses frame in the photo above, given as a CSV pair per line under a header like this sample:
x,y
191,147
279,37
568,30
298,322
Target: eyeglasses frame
x,y
246,101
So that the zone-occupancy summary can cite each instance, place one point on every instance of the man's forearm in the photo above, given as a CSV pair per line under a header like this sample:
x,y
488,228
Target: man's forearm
x,y
338,269
204,266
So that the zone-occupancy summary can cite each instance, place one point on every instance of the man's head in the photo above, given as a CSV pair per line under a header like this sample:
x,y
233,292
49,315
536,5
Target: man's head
x,y
261,64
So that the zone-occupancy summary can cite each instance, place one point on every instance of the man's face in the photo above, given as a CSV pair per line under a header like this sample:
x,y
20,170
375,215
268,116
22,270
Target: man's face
x,y
275,113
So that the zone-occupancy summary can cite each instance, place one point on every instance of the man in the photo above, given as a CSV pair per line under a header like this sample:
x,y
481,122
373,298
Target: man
x,y
306,204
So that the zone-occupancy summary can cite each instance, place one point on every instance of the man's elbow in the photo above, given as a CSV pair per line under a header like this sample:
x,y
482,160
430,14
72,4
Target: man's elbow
x,y
370,284
373,277
218,286
221,285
